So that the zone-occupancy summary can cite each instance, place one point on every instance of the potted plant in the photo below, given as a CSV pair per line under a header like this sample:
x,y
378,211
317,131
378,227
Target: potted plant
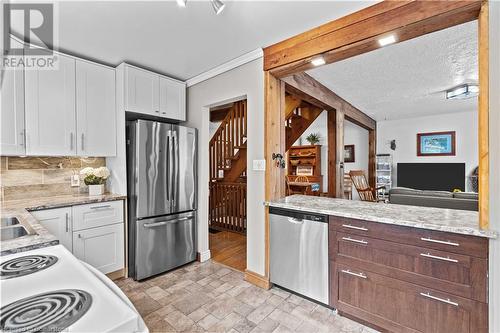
x,y
95,178
313,138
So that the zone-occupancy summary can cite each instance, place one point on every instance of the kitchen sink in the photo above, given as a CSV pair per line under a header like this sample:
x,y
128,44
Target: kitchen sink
x,y
8,221
13,232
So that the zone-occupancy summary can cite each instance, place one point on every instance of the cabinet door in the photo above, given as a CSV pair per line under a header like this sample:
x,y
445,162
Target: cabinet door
x,y
172,99
101,247
57,222
12,112
95,109
404,307
141,91
50,109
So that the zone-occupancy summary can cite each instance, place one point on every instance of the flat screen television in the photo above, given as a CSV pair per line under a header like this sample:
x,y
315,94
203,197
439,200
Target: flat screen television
x,y
431,176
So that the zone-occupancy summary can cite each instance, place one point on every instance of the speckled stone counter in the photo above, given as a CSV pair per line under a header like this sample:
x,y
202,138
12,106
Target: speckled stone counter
x,y
39,236
449,220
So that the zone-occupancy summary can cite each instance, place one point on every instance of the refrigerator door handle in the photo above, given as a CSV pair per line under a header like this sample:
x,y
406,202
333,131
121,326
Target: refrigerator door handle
x,y
175,162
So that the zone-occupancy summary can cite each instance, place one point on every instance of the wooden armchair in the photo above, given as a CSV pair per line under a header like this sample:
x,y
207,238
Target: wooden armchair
x,y
365,191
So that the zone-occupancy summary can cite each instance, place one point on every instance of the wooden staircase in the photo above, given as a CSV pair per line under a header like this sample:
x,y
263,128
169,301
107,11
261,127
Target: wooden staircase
x,y
299,115
228,163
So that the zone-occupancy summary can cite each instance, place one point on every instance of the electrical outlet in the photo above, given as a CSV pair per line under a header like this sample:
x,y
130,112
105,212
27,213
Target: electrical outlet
x,y
259,165
75,181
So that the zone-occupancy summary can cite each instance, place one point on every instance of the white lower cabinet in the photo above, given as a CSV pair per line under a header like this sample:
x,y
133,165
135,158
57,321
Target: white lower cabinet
x,y
58,223
101,247
94,233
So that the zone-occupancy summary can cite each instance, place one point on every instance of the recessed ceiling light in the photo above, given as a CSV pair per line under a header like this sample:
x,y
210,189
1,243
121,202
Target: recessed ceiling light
x,y
181,3
387,40
463,92
318,61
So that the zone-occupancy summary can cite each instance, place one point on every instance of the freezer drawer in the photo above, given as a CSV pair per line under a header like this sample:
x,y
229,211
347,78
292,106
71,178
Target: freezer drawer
x,y
299,253
164,243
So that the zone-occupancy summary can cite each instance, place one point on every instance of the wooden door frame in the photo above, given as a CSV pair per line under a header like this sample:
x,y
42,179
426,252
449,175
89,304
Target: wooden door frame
x,y
355,34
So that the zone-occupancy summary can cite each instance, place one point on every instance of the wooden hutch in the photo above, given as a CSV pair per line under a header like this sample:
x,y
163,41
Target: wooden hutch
x,y
309,156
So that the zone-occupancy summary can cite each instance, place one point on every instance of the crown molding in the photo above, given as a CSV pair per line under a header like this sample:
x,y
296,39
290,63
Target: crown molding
x,y
232,64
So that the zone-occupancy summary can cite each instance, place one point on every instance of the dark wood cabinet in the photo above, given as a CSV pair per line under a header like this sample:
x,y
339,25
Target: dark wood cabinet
x,y
386,276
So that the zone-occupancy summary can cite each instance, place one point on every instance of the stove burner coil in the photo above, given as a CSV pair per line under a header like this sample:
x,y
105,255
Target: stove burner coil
x,y
47,312
25,265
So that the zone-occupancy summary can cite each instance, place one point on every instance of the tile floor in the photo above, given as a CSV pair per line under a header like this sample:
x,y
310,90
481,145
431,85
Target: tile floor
x,y
209,297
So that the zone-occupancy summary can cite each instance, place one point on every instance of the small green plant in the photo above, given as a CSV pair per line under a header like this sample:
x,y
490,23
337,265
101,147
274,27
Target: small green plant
x,y
313,138
95,176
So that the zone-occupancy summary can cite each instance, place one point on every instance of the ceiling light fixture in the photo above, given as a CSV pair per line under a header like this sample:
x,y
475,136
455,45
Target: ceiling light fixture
x,y
318,61
181,3
218,6
387,40
463,92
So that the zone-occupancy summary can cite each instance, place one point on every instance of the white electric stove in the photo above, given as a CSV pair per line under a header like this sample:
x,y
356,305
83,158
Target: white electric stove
x,y
49,290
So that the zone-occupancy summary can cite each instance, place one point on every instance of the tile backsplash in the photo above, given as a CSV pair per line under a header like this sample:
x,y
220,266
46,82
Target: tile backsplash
x,y
28,177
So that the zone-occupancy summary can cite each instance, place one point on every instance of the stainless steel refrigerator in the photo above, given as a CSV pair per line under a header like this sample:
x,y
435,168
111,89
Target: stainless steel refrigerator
x,y
161,168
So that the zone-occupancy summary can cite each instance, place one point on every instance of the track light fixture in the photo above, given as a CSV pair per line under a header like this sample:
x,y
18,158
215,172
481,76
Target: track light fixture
x,y
217,5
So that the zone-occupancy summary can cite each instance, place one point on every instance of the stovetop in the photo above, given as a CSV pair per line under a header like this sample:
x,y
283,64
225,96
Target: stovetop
x,y
25,265
47,312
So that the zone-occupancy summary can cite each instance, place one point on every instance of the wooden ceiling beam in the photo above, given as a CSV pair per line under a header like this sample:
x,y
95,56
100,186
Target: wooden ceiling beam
x,y
308,89
357,34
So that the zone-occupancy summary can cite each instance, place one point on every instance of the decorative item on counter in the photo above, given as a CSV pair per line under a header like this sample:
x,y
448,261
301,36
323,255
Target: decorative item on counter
x,y
95,178
280,161
313,138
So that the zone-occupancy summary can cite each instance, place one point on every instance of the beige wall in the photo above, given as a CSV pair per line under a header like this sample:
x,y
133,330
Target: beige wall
x,y
31,177
244,81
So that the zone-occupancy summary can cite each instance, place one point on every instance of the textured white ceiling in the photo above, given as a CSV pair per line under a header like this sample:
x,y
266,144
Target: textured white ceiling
x,y
408,79
184,42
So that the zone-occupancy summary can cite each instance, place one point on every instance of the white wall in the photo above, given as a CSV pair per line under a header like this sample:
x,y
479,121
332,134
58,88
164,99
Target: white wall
x,y
246,80
404,131
357,136
494,259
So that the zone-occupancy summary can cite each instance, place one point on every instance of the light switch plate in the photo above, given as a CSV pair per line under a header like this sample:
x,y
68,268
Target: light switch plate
x,y
259,165
75,181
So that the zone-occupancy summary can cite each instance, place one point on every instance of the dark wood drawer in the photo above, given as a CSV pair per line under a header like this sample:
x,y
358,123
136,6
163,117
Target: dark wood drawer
x,y
400,306
438,240
458,274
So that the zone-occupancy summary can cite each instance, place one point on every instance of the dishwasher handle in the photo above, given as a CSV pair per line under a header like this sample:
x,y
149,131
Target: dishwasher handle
x,y
294,220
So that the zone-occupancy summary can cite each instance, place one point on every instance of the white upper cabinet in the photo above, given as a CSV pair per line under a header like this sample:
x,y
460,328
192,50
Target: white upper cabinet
x,y
172,99
153,94
12,141
141,91
95,109
50,109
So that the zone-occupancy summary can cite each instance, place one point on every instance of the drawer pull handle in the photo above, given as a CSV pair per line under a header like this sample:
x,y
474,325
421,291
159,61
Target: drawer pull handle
x,y
439,241
101,207
447,301
360,275
67,222
349,239
428,255
354,227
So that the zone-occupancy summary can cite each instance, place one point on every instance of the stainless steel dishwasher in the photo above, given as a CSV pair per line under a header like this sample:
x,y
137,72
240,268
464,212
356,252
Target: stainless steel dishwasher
x,y
299,252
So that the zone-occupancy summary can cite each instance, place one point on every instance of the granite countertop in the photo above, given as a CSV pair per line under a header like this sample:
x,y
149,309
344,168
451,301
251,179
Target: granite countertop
x,y
449,220
39,236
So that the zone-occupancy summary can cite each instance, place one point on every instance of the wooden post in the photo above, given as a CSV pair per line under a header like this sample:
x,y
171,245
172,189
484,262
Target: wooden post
x,y
483,118
339,165
372,157
332,153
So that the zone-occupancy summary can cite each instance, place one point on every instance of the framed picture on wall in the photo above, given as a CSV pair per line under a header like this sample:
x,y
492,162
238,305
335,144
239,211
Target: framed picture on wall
x,y
349,154
436,144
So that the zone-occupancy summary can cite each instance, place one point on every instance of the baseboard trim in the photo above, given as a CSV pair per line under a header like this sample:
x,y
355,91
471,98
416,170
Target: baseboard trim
x,y
116,274
257,279
203,256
